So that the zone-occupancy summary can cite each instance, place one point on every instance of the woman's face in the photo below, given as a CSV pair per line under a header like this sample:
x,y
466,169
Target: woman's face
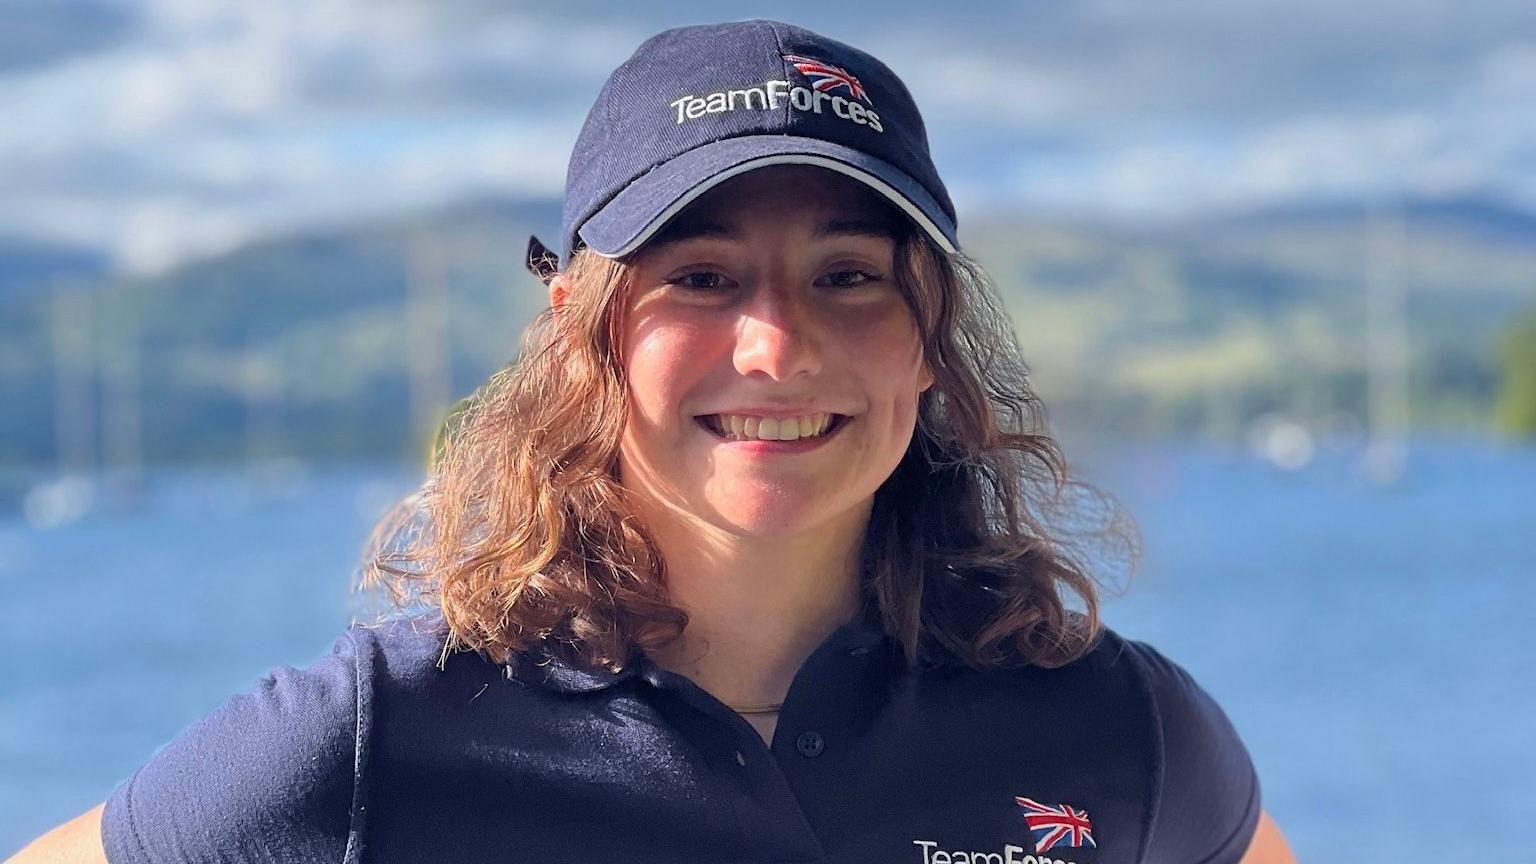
x,y
768,307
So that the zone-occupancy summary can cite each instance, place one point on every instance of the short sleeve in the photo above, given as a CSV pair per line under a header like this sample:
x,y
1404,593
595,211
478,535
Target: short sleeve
x,y
268,776
1208,805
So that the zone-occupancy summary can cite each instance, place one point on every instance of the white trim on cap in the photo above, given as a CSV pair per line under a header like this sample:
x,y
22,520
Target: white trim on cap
x,y
867,179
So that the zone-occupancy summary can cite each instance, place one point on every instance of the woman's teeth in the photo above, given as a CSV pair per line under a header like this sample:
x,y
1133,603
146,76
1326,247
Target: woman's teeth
x,y
739,427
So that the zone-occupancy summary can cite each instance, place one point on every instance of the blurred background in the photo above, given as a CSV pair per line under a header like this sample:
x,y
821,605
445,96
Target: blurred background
x,y
1273,265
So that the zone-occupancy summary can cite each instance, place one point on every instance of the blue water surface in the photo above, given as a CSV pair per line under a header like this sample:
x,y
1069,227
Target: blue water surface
x,y
1371,643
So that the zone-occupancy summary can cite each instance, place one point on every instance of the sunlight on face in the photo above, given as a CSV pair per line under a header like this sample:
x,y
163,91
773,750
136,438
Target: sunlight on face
x,y
771,297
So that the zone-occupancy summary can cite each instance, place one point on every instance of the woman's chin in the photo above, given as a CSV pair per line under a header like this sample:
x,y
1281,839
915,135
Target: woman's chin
x,y
782,512
763,523
775,516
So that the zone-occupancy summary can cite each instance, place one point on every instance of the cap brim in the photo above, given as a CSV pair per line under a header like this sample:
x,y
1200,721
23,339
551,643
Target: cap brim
x,y
651,200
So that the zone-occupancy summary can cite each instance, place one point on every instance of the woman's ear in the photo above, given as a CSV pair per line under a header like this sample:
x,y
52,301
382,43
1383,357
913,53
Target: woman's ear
x,y
559,290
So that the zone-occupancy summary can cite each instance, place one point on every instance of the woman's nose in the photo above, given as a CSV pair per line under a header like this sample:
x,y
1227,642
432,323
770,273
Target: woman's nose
x,y
778,336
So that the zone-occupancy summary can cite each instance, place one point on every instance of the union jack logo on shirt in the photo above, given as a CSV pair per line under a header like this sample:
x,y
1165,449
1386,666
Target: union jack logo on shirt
x,y
825,76
1056,824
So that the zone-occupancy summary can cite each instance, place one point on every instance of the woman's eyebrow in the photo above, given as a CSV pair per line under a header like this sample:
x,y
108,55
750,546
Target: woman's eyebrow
x,y
693,229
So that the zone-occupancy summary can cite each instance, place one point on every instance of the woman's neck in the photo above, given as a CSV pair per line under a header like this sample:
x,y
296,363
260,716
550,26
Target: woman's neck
x,y
757,607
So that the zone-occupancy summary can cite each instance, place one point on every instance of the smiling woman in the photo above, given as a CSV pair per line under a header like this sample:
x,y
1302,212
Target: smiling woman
x,y
788,321
760,551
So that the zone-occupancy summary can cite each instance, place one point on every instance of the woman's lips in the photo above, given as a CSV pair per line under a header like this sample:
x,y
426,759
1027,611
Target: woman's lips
x,y
747,431
788,427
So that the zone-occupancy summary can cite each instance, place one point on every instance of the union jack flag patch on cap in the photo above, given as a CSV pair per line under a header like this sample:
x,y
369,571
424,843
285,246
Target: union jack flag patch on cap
x,y
1056,824
826,77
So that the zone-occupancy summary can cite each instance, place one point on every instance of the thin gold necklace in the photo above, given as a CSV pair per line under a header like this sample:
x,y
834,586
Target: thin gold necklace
x,y
757,709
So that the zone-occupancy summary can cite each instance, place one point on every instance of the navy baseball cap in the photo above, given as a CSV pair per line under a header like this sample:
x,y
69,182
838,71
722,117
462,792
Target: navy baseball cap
x,y
695,106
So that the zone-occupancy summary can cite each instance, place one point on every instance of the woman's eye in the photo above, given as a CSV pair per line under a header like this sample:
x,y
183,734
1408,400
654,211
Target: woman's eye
x,y
702,280
851,278
709,281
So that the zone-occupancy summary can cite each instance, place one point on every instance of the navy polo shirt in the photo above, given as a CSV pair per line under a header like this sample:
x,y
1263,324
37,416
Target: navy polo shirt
x,y
374,753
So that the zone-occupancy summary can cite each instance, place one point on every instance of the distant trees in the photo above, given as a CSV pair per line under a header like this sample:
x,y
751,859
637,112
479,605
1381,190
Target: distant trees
x,y
1516,411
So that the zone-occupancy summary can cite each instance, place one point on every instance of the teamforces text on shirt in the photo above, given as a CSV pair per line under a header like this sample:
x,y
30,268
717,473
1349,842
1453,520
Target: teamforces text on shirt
x,y
1011,854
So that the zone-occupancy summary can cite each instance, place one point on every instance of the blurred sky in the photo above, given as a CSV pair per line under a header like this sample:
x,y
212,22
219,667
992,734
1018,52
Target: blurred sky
x,y
155,130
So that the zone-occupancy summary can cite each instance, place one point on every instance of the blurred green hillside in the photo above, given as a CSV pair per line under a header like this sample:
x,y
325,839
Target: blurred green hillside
x,y
1202,327
1515,413
339,344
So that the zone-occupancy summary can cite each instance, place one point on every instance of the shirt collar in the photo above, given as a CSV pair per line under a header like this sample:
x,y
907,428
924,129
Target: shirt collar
x,y
542,667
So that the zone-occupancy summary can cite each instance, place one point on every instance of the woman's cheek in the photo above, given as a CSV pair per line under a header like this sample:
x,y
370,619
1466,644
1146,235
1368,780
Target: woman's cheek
x,y
661,367
886,333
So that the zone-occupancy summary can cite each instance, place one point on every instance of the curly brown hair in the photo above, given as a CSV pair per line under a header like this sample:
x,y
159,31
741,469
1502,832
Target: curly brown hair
x,y
977,541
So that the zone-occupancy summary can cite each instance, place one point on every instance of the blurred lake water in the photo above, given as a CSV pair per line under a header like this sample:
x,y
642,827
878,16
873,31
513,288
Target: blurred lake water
x,y
1370,643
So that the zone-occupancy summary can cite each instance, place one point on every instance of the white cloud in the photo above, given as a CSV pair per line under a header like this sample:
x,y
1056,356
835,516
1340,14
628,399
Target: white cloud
x,y
216,121
219,122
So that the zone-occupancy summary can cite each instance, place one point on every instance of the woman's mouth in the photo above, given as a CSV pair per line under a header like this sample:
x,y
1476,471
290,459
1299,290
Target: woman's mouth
x,y
745,427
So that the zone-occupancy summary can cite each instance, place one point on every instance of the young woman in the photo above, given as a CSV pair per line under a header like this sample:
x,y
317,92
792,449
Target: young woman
x,y
758,553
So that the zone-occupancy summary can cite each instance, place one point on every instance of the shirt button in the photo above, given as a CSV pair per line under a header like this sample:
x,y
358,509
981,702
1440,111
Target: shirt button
x,y
741,759
810,744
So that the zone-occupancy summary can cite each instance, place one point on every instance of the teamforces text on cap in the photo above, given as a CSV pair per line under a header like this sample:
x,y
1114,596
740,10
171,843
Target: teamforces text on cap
x,y
819,98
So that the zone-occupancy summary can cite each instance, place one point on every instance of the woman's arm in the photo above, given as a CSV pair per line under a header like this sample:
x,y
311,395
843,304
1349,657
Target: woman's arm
x,y
1268,845
269,775
77,841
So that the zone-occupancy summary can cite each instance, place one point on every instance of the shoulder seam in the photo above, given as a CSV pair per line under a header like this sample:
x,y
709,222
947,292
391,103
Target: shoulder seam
x,y
362,691
132,819
1159,746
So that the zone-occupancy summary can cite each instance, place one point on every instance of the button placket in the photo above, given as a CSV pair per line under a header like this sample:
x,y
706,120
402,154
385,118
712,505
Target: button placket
x,y
805,722
810,743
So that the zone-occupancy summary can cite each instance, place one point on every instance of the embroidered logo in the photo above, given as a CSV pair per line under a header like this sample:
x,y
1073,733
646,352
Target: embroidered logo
x,y
1056,824
1010,854
774,93
826,77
